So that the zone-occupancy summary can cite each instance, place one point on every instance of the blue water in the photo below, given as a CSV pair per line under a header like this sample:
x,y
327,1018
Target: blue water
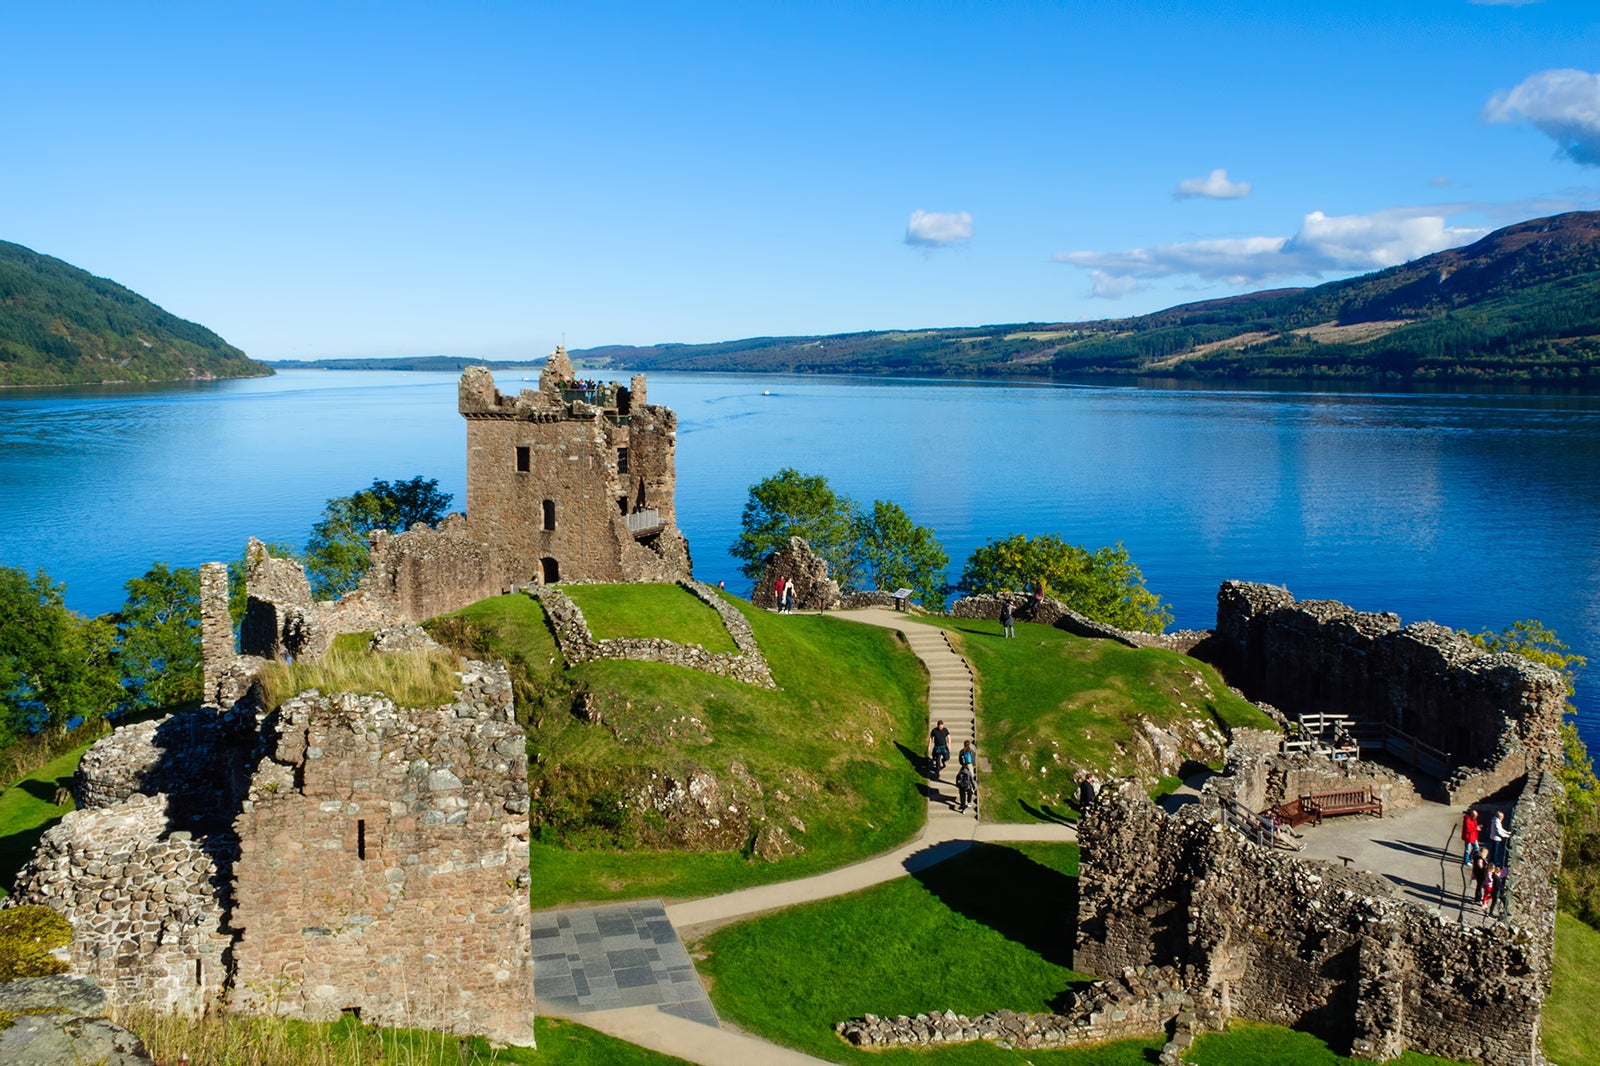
x,y
1470,510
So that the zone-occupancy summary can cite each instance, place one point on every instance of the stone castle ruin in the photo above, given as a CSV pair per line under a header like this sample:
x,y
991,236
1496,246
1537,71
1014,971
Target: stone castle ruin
x,y
571,482
1296,941
336,855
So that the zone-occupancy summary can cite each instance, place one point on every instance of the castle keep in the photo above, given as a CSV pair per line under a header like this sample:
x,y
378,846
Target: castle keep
x,y
574,481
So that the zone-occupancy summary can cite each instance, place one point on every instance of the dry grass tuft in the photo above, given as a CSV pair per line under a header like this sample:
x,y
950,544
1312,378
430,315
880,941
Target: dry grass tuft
x,y
412,679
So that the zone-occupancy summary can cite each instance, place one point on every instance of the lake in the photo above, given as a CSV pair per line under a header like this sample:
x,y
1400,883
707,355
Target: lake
x,y
1473,510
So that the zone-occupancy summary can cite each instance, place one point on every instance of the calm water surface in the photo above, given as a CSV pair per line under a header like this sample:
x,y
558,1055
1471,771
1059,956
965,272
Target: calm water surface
x,y
1471,510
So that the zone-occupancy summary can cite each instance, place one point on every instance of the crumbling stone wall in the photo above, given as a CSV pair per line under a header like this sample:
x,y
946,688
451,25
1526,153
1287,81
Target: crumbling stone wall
x,y
147,903
1139,1002
383,865
281,620
579,645
1493,713
795,562
339,852
1051,612
428,570
1258,776
1306,943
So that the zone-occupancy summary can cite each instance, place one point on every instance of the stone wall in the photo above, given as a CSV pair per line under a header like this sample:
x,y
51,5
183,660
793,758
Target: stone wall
x,y
337,853
814,590
1492,713
383,865
1305,943
1141,1002
1258,776
1054,613
147,902
578,644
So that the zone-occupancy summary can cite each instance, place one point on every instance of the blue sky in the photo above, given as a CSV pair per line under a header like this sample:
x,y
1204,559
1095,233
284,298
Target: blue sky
x,y
489,179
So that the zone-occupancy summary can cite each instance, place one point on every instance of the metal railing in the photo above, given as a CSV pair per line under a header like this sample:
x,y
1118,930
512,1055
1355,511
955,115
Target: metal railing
x,y
643,521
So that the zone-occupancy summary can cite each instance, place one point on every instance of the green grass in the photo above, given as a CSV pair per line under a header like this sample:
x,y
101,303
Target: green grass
x,y
827,757
1253,1044
224,1039
1571,1037
28,808
413,679
666,612
992,928
1052,706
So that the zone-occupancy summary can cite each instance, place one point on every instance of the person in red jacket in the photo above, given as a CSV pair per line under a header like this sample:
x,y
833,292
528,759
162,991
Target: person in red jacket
x,y
1469,835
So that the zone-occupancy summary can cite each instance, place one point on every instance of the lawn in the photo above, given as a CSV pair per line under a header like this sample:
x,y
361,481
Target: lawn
x,y
992,928
1052,706
1252,1044
28,808
224,1039
667,612
828,758
1571,1037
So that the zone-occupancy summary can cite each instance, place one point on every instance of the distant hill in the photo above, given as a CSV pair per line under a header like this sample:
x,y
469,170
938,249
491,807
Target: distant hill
x,y
1522,304
403,362
63,326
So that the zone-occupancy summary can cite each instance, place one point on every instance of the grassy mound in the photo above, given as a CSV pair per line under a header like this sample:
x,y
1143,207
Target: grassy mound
x,y
414,679
666,612
817,773
1052,706
27,936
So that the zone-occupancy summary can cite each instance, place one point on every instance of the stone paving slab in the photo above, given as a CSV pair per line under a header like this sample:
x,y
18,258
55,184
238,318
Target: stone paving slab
x,y
611,957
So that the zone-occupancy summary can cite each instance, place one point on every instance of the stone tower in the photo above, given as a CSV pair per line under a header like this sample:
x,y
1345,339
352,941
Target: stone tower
x,y
573,481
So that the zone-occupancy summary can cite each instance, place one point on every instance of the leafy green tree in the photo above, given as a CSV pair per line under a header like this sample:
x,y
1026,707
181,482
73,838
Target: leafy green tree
x,y
158,638
337,552
895,552
792,504
1104,584
55,665
1535,641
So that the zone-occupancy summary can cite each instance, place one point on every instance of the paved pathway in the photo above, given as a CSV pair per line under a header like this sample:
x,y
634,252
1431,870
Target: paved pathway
x,y
606,977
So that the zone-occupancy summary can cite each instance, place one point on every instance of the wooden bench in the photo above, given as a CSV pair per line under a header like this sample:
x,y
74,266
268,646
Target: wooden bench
x,y
1293,813
1350,801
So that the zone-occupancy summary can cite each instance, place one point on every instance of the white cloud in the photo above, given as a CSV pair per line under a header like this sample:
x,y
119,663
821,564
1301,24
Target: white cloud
x,y
1214,186
938,229
1339,244
1564,105
1105,286
1440,181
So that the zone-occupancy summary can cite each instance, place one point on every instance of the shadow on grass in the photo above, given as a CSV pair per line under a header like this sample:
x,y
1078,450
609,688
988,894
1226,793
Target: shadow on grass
x,y
17,849
1046,813
45,790
1022,900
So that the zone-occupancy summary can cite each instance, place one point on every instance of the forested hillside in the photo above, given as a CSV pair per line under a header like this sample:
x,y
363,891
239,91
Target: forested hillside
x,y
63,326
1522,304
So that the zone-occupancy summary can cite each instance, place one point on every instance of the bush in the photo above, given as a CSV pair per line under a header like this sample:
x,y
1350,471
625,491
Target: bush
x,y
27,936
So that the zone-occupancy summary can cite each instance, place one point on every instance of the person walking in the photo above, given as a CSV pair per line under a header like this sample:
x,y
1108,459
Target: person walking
x,y
966,788
968,756
938,748
1007,618
1469,835
788,598
1499,835
777,595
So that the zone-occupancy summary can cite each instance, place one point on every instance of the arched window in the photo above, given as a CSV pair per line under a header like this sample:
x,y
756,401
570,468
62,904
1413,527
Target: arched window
x,y
549,514
549,571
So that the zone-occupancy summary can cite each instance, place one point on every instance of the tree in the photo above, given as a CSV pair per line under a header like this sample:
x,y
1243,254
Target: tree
x,y
337,551
1535,641
55,665
1104,584
158,638
792,504
896,552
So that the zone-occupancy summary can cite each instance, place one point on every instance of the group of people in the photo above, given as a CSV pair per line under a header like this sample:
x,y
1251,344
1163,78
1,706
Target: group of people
x,y
1488,860
784,595
966,772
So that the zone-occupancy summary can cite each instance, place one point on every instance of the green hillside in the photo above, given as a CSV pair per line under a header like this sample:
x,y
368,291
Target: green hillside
x,y
63,326
1522,304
